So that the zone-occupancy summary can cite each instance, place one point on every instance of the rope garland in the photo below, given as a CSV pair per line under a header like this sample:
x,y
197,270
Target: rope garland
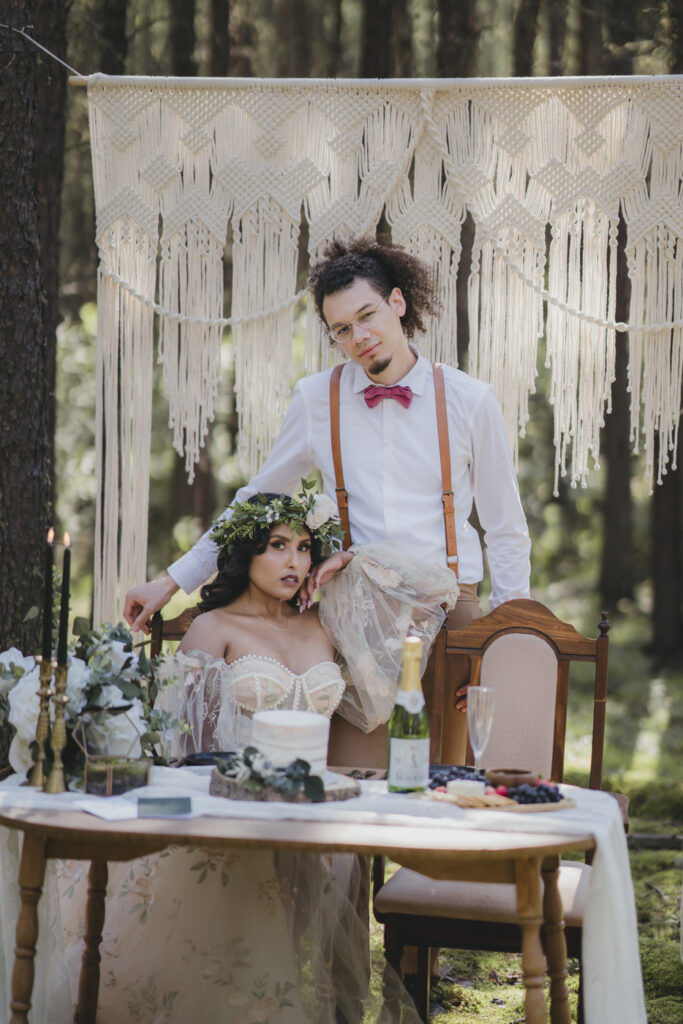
x,y
597,321
206,321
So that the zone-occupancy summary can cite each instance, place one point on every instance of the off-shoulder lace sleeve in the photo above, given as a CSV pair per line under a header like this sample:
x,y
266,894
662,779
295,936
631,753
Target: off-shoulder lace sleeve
x,y
367,611
202,695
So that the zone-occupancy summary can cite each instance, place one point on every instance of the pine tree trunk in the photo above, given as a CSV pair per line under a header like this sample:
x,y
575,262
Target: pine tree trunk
x,y
182,37
667,554
219,41
50,113
590,37
618,573
456,54
335,40
557,32
402,39
524,36
114,38
676,53
24,460
456,57
376,51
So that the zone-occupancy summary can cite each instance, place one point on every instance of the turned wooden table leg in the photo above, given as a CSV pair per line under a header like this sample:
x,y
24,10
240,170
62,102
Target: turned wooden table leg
x,y
555,942
393,954
528,884
89,981
31,876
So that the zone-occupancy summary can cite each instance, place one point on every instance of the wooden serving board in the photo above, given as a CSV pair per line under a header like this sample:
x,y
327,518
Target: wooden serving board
x,y
337,787
561,805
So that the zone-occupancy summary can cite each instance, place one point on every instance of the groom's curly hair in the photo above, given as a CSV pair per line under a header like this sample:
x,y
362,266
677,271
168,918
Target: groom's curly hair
x,y
386,267
232,578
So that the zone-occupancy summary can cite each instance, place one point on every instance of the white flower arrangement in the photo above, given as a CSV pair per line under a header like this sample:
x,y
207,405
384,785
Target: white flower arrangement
x,y
104,672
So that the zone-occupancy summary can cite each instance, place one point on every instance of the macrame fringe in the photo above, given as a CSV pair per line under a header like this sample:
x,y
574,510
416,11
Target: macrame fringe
x,y
265,260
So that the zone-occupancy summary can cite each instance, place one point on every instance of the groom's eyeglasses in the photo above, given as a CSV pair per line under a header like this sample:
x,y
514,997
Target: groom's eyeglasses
x,y
342,333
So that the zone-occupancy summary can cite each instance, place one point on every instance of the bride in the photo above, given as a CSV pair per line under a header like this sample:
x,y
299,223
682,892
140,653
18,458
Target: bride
x,y
253,936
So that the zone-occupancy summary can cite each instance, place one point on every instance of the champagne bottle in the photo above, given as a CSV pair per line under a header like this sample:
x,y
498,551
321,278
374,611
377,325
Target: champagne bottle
x,y
409,727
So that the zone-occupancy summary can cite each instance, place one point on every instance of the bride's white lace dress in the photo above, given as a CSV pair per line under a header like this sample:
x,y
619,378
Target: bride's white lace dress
x,y
249,936
241,937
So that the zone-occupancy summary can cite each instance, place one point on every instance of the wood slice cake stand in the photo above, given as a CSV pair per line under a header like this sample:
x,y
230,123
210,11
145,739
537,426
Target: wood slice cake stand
x,y
337,787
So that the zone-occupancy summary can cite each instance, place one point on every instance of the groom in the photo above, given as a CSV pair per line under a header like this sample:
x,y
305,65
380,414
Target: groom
x,y
372,300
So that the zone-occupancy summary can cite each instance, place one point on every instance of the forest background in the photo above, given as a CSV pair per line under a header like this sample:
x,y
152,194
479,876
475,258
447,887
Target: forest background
x,y
615,544
614,540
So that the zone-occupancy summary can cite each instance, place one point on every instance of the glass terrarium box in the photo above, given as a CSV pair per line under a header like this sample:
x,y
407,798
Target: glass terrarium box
x,y
110,767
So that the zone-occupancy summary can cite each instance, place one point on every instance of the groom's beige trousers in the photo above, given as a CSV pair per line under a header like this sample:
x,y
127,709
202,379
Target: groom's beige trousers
x,y
351,748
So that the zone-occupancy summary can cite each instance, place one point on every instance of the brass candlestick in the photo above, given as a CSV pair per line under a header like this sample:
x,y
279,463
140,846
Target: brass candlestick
x,y
37,776
55,780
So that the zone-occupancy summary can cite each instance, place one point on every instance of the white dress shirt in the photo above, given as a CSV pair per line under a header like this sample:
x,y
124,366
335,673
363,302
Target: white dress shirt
x,y
392,473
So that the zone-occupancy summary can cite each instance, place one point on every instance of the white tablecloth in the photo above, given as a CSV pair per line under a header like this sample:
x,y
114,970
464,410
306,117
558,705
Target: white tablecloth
x,y
613,989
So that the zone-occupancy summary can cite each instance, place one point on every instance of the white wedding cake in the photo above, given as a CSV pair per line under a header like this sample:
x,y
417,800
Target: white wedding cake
x,y
282,736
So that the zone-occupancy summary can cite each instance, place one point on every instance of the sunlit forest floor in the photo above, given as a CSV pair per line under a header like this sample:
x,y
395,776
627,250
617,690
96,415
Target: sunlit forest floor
x,y
643,758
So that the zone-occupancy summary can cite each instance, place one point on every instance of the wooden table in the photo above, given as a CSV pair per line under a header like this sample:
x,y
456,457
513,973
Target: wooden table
x,y
465,854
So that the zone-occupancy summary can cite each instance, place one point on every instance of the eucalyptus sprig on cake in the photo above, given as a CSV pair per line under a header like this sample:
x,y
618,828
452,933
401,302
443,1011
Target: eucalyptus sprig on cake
x,y
249,775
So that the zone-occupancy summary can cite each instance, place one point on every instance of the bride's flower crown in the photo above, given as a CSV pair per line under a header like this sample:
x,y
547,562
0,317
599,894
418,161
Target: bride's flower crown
x,y
316,512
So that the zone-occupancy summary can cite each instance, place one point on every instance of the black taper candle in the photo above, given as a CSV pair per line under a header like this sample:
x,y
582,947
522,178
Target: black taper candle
x,y
64,607
47,597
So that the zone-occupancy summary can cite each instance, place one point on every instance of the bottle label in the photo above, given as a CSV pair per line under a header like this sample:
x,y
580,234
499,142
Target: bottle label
x,y
412,700
408,764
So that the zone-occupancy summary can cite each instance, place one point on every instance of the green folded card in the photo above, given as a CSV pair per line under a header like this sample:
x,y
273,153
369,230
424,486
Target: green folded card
x,y
164,807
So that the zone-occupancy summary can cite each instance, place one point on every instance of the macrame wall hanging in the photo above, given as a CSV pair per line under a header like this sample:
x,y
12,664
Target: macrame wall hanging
x,y
544,167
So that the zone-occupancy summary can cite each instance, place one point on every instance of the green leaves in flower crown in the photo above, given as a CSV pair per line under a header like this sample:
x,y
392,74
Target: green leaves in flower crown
x,y
310,510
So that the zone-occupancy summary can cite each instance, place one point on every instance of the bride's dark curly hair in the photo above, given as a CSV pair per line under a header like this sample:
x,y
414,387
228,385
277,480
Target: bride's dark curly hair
x,y
232,578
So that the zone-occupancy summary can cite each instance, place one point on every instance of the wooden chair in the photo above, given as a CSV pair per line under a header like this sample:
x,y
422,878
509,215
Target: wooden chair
x,y
526,652
170,629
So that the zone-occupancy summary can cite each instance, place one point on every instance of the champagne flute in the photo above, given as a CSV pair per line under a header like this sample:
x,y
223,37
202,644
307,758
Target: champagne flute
x,y
480,702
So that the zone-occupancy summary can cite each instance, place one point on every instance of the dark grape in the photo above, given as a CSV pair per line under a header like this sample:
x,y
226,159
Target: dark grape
x,y
543,793
441,774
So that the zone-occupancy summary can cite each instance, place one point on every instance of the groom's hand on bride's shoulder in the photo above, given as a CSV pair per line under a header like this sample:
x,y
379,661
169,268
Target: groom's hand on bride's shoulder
x,y
320,575
143,601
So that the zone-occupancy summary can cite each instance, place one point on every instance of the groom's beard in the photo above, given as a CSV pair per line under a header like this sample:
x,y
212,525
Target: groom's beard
x,y
379,367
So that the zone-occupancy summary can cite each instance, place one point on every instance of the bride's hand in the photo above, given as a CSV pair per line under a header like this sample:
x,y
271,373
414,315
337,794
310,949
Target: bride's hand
x,y
320,575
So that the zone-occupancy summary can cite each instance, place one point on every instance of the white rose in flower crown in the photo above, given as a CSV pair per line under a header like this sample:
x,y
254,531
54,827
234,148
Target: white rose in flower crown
x,y
24,707
323,509
118,735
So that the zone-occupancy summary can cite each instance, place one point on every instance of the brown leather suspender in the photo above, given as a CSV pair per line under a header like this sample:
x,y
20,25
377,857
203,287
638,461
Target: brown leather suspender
x,y
444,453
342,496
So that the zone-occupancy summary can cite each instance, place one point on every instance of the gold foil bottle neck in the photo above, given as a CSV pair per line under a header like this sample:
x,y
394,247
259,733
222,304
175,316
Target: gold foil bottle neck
x,y
412,652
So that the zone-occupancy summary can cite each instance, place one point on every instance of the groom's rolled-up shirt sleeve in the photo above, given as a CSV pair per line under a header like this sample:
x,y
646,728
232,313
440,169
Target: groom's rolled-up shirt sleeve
x,y
496,496
290,459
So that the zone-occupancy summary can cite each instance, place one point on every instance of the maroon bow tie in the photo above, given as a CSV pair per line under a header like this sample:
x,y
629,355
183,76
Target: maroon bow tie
x,y
375,393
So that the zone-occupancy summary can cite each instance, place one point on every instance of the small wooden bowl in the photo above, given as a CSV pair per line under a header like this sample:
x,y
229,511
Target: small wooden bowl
x,y
510,776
